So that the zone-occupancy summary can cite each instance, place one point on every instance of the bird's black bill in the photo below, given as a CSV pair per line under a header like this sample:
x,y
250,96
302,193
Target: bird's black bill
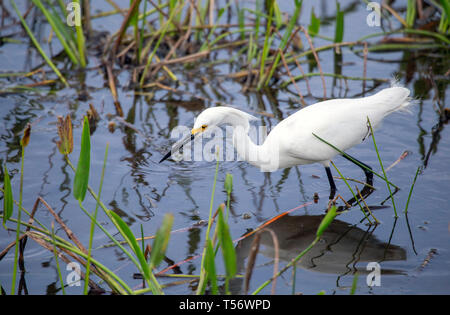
x,y
166,156
177,147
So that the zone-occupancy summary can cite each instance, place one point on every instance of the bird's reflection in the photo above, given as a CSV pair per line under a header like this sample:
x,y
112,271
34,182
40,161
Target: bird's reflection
x,y
341,247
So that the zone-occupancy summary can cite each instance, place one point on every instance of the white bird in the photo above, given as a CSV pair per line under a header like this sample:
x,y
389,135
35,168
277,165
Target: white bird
x,y
341,122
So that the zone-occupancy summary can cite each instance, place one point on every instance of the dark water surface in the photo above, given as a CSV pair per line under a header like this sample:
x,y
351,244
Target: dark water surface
x,y
141,190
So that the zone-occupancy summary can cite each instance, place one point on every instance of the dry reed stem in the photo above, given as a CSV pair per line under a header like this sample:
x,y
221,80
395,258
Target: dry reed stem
x,y
42,241
9,246
394,13
178,27
366,206
365,52
113,88
254,249
68,231
305,77
184,59
317,60
291,77
123,28
116,7
179,42
401,157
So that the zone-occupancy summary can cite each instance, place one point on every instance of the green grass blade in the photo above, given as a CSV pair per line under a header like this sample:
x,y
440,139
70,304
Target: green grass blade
x,y
285,38
210,267
241,19
339,32
228,183
161,241
314,25
163,33
36,44
134,15
326,221
141,34
226,244
60,33
382,168
63,26
81,180
351,190
8,204
228,188
58,269
354,161
110,275
208,40
411,13
93,221
266,41
411,190
446,9
408,31
277,13
23,143
445,16
129,237
253,53
80,40
201,284
354,284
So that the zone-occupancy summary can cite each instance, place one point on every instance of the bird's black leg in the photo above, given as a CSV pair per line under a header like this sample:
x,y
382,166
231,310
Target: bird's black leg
x,y
368,189
331,181
364,167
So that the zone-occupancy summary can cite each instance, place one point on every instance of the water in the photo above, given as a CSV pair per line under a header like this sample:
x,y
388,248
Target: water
x,y
141,190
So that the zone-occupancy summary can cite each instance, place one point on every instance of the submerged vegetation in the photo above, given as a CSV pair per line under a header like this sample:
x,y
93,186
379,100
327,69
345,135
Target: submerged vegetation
x,y
157,44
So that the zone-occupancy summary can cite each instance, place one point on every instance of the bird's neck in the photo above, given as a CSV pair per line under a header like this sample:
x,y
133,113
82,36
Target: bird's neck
x,y
257,155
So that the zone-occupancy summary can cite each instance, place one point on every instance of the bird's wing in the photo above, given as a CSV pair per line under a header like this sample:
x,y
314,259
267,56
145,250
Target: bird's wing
x,y
341,122
337,122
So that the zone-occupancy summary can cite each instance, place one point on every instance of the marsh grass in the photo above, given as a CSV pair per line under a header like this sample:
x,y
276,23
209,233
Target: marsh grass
x,y
259,38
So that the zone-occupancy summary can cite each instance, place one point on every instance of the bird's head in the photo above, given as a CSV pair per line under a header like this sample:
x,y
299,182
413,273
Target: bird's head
x,y
210,117
222,115
215,117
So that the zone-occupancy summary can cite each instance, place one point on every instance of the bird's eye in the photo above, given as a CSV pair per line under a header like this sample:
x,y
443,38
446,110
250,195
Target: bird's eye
x,y
204,127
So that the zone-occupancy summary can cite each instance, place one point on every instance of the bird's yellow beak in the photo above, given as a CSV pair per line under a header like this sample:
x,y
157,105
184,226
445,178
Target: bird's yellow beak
x,y
195,131
184,141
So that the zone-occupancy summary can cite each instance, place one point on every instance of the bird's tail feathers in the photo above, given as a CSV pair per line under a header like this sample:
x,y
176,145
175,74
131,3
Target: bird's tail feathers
x,y
395,98
403,100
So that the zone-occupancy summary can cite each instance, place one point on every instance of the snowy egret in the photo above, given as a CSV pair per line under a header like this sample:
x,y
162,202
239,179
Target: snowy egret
x,y
341,122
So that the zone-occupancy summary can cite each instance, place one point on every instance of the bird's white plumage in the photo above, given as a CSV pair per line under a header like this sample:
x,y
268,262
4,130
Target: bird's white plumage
x,y
341,122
